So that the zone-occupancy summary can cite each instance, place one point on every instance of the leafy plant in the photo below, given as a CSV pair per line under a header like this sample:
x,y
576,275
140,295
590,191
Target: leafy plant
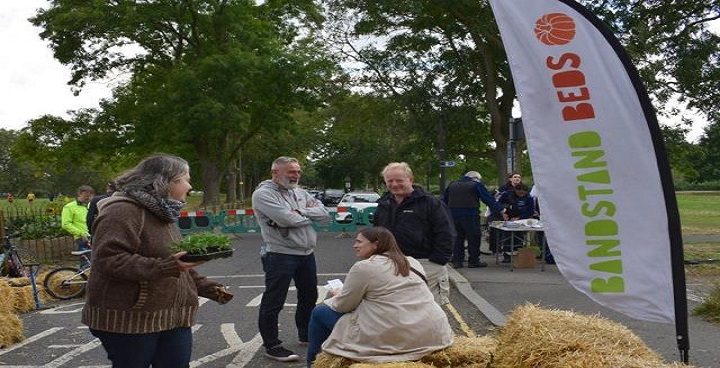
x,y
710,307
35,227
201,243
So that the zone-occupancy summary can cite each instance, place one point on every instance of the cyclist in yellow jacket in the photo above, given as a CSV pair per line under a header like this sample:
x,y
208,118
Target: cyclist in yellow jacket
x,y
73,218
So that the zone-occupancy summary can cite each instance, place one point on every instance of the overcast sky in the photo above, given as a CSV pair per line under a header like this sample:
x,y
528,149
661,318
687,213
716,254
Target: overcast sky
x,y
34,83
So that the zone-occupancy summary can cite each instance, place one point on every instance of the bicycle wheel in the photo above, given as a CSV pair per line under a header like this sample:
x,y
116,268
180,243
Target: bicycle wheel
x,y
65,283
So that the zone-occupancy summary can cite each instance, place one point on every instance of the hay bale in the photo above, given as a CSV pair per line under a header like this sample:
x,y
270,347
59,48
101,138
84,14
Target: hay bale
x,y
18,281
464,352
7,296
327,360
24,299
391,365
536,337
11,329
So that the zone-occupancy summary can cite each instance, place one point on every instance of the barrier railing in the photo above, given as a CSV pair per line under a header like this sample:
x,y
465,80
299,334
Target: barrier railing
x,y
244,221
238,221
195,221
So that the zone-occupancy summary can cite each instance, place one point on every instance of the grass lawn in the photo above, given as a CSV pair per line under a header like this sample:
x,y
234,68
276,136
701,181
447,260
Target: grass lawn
x,y
699,212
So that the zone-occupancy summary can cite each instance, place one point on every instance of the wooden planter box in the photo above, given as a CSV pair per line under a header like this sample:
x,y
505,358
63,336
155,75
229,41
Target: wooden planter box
x,y
52,250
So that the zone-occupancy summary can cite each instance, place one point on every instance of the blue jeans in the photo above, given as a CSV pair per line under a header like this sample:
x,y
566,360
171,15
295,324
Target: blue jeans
x,y
280,269
322,321
165,349
82,245
467,227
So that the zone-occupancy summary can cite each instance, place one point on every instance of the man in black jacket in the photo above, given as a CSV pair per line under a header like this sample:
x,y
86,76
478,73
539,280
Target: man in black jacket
x,y
421,224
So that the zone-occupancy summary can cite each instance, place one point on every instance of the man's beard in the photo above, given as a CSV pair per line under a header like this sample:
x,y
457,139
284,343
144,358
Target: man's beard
x,y
285,182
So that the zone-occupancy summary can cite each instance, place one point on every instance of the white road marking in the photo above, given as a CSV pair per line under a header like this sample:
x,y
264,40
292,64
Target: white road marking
x,y
31,339
66,308
322,293
244,350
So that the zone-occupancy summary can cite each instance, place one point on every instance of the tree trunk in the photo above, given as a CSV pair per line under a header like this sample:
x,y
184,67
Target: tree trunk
x,y
231,191
211,179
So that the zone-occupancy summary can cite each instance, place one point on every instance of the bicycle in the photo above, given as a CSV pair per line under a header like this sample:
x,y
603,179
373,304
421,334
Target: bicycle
x,y
16,261
68,282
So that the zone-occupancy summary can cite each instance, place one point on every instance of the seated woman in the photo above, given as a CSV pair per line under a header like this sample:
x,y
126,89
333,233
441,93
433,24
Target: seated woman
x,y
384,311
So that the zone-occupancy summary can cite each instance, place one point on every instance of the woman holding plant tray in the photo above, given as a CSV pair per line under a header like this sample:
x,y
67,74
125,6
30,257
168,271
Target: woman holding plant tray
x,y
141,298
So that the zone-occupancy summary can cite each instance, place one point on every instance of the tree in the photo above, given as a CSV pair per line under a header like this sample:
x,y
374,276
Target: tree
x,y
438,59
452,54
208,75
671,44
709,156
16,176
681,153
67,153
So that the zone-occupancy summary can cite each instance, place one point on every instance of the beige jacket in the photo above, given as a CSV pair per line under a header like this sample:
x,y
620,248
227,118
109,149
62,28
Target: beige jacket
x,y
389,318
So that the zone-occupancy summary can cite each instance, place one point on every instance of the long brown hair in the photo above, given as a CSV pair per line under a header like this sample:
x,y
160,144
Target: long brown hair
x,y
387,245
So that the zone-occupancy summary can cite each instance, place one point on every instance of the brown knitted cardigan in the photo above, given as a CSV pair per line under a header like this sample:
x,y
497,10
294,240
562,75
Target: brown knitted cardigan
x,y
135,284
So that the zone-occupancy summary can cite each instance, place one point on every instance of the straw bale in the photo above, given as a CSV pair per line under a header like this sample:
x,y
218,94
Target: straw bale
x,y
536,337
24,299
18,281
463,352
392,365
327,360
466,352
6,297
11,329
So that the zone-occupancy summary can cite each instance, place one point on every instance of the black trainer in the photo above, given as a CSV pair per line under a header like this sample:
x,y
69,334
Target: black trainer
x,y
478,264
281,354
457,264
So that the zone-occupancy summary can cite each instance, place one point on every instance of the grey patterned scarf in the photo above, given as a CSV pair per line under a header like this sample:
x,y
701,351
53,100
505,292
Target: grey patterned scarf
x,y
164,208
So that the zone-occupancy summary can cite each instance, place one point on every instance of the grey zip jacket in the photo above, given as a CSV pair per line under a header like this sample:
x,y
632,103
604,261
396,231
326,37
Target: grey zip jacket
x,y
286,220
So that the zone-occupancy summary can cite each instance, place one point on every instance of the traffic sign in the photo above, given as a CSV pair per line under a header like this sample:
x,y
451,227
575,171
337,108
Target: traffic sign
x,y
447,163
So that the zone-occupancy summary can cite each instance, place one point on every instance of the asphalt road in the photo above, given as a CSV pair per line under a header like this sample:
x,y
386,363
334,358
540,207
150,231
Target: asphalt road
x,y
225,336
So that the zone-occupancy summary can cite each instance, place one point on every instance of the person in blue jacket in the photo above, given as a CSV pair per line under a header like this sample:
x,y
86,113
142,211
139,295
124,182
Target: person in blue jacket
x,y
519,205
463,198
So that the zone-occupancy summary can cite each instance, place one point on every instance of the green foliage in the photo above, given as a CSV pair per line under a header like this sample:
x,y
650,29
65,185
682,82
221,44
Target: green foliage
x,y
36,227
200,243
672,46
206,77
709,153
703,186
710,307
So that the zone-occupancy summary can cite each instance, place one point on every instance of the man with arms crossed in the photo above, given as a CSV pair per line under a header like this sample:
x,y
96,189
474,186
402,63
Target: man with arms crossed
x,y
421,224
285,213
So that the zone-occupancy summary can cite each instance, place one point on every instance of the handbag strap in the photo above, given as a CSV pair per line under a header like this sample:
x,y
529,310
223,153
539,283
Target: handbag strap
x,y
419,274
411,269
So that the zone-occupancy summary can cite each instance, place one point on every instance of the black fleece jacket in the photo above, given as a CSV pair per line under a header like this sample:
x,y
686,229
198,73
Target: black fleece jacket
x,y
421,224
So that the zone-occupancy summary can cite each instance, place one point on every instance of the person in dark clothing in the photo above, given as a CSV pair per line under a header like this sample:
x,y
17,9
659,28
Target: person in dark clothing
x,y
93,205
421,223
463,198
518,206
513,179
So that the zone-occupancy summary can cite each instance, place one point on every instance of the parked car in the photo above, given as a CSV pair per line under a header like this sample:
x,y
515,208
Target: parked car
x,y
357,200
331,197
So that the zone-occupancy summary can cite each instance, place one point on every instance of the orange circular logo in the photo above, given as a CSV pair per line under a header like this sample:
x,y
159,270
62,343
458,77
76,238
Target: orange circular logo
x,y
555,29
